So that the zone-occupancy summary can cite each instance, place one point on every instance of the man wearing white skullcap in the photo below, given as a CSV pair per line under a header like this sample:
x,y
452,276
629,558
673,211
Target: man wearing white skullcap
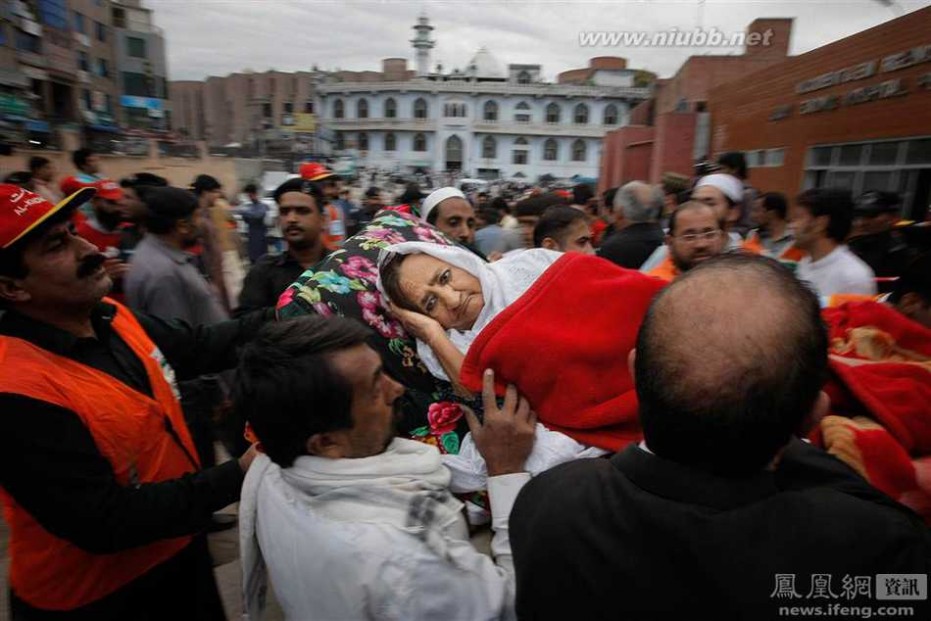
x,y
448,210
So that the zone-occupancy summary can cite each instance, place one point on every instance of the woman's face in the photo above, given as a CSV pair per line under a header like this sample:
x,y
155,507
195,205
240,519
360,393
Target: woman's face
x,y
446,293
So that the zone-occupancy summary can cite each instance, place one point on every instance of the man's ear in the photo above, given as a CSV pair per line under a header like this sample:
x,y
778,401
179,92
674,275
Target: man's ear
x,y
814,416
550,244
11,292
329,444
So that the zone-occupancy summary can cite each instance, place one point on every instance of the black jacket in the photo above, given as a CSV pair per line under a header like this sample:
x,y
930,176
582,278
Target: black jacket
x,y
632,246
640,537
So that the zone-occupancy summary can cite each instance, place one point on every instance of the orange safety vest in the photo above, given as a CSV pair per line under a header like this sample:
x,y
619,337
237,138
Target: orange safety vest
x,y
666,270
335,233
130,430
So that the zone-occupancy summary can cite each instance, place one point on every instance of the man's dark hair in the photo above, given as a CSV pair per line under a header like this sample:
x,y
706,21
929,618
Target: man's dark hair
x,y
536,205
722,404
36,162
489,215
22,178
500,204
915,278
250,188
286,386
687,205
582,193
302,186
775,201
555,223
607,197
390,272
79,158
205,183
834,203
165,207
143,180
736,161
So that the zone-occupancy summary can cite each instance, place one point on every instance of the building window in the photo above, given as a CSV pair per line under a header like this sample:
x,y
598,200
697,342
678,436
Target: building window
x,y
454,110
522,112
552,114
580,116
420,110
103,68
420,142
362,109
338,111
490,111
523,77
54,13
610,115
550,150
363,141
83,62
519,155
28,43
308,107
578,151
289,108
137,84
79,23
119,18
101,32
775,157
391,109
266,111
489,148
108,103
86,99
391,143
339,142
135,47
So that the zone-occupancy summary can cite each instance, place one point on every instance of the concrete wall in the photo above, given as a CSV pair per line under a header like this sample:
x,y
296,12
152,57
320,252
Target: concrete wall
x,y
626,156
672,152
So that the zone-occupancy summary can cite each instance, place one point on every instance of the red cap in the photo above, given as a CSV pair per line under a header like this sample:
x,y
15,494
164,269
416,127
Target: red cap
x,y
70,185
22,211
108,189
315,171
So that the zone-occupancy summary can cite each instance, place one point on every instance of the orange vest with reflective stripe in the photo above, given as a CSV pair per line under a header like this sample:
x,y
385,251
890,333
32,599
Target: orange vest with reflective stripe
x,y
666,270
130,431
754,244
335,232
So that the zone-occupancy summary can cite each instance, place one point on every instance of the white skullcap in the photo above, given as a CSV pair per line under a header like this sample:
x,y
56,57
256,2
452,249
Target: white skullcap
x,y
435,198
730,185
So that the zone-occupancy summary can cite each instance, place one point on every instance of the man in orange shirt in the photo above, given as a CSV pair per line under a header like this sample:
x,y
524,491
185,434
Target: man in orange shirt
x,y
335,232
772,237
695,235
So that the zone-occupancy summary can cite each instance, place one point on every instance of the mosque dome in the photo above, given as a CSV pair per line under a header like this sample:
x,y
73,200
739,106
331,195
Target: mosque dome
x,y
484,65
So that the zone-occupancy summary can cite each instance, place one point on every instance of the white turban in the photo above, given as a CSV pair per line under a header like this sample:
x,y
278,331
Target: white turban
x,y
729,185
435,198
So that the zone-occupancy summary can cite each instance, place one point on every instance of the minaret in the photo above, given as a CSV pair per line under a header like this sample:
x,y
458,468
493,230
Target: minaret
x,y
423,45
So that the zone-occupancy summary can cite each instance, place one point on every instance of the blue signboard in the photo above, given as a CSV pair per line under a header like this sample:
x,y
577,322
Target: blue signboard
x,y
149,103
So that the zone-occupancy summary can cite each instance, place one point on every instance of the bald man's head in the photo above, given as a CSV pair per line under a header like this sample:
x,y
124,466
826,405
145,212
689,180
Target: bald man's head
x,y
725,378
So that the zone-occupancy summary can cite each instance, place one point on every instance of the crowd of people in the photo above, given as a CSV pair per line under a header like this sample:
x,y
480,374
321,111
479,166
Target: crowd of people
x,y
659,399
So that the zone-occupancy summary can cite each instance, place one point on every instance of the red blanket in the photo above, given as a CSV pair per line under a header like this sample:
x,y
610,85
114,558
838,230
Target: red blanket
x,y
565,344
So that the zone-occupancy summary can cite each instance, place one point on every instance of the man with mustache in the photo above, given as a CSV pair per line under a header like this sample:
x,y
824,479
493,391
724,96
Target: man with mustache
x,y
302,223
695,235
105,497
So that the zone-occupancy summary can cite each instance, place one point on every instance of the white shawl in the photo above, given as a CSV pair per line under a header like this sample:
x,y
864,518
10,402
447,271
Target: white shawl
x,y
503,282
406,487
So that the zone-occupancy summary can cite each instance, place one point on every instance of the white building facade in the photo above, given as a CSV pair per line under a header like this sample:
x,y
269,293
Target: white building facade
x,y
483,122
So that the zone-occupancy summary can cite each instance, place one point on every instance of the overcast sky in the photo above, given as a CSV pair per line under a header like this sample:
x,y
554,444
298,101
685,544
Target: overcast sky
x,y
218,37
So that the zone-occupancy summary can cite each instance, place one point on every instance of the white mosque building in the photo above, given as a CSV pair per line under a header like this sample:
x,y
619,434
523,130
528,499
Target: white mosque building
x,y
487,120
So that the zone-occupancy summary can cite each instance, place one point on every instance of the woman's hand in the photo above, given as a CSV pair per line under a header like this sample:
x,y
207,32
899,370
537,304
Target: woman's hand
x,y
417,325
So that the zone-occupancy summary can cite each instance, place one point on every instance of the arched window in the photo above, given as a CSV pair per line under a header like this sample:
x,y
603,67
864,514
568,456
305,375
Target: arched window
x,y
550,150
578,150
522,112
391,108
520,152
363,141
338,111
420,142
454,110
552,113
489,148
523,77
362,109
420,109
610,115
580,116
490,111
339,143
391,143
